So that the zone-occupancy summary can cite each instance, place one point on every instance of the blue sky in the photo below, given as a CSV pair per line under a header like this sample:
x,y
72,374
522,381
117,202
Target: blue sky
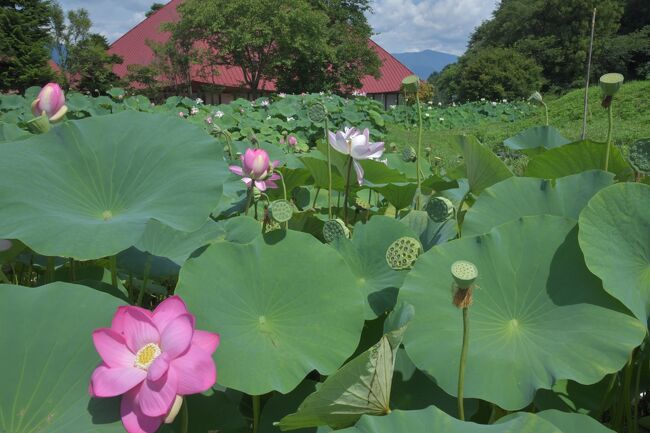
x,y
401,25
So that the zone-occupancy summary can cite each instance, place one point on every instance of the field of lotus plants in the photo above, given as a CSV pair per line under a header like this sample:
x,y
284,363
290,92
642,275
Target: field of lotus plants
x,y
272,266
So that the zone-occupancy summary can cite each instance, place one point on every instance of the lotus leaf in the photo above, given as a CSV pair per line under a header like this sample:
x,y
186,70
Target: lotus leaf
x,y
482,167
280,309
538,314
536,139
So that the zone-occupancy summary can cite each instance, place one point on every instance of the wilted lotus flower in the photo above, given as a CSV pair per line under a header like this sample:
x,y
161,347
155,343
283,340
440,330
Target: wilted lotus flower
x,y
356,144
51,102
257,168
153,359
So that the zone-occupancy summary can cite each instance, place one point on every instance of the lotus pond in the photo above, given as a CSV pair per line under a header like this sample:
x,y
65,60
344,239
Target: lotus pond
x,y
271,266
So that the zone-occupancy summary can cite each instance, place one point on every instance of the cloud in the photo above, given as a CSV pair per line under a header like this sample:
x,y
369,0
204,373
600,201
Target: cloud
x,y
401,25
415,25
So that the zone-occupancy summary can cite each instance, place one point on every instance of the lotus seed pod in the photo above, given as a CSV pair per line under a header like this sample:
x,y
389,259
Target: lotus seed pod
x,y
536,97
611,83
317,113
281,210
411,83
361,203
271,225
639,156
439,209
403,253
39,125
409,154
335,229
464,273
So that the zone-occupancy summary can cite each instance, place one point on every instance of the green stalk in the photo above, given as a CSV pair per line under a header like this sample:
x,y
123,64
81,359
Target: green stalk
x,y
249,199
145,279
609,134
113,265
637,398
73,273
347,191
627,382
463,361
419,150
546,111
316,197
284,192
3,277
256,413
185,418
329,171
50,269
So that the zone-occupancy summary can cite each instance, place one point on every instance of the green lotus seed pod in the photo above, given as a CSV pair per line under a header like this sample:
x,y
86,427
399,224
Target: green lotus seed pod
x,y
411,83
409,154
536,97
439,209
464,273
335,229
39,125
639,156
611,83
281,210
317,113
403,253
361,203
271,226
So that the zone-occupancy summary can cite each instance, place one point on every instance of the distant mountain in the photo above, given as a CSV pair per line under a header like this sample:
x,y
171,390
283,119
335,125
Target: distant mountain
x,y
423,63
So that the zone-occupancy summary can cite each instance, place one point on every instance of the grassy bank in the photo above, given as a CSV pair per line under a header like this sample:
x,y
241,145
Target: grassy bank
x,y
631,122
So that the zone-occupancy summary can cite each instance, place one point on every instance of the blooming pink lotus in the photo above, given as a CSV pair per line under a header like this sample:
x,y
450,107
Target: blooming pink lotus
x,y
153,359
51,102
356,144
257,168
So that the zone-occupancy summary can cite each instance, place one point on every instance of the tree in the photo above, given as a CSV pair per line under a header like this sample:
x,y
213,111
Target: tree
x,y
24,42
303,45
497,73
153,9
83,56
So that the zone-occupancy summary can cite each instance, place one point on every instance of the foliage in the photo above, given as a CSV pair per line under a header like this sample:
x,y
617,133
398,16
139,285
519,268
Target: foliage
x,y
425,93
23,44
129,202
628,54
154,8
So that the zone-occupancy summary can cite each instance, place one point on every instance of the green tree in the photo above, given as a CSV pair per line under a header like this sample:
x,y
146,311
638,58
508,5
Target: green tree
x,y
154,8
83,56
24,42
303,45
497,73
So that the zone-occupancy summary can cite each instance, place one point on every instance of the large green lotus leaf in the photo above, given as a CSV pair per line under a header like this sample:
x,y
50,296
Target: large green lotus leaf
x,y
399,195
365,254
523,196
536,139
573,422
318,168
362,386
570,396
615,238
284,304
88,188
538,315
433,419
164,241
47,359
482,167
10,132
429,232
575,158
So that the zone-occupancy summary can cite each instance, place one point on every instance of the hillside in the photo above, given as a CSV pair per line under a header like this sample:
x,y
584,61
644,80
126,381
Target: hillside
x,y
423,63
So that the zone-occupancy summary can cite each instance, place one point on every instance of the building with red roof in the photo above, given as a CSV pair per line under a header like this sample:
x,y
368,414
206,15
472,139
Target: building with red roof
x,y
228,80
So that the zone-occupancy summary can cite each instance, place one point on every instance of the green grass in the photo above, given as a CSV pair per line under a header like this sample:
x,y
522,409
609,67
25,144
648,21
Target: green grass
x,y
631,122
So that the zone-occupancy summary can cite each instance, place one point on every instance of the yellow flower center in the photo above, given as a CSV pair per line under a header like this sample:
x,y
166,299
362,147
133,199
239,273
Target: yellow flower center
x,y
147,355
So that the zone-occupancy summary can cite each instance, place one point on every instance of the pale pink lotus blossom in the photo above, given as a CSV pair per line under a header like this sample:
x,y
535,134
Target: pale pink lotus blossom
x,y
208,120
181,114
357,144
51,102
292,141
152,359
257,169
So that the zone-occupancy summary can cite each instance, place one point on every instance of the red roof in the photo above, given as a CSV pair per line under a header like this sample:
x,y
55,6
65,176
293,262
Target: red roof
x,y
133,49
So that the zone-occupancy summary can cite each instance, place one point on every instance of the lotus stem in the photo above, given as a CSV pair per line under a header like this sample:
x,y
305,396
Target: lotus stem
x,y
145,279
583,134
50,269
329,171
463,361
419,150
3,277
73,273
637,397
627,383
113,265
609,134
347,191
249,199
546,112
284,192
316,197
185,418
256,413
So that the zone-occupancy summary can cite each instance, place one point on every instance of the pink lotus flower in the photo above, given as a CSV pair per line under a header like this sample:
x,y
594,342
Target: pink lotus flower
x,y
292,140
356,144
153,359
256,167
51,102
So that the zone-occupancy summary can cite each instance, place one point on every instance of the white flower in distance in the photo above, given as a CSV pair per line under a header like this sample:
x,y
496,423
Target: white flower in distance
x,y
357,144
199,101
442,119
392,107
439,104
265,103
494,104
194,111
282,95
482,99
505,101
290,119
218,114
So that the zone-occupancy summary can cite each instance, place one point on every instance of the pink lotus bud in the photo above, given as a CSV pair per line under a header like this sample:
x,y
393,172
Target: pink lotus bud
x,y
292,140
50,100
256,162
257,169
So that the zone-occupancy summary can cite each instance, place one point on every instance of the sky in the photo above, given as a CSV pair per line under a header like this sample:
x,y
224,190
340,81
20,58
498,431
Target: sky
x,y
401,25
